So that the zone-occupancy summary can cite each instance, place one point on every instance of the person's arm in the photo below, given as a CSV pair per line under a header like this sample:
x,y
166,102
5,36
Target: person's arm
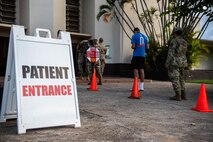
x,y
105,49
147,46
170,54
133,42
146,42
133,46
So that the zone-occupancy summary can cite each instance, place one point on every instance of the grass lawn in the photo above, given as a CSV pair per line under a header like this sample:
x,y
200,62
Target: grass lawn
x,y
200,81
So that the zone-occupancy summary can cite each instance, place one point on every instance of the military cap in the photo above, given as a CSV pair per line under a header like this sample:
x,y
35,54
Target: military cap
x,y
91,42
177,29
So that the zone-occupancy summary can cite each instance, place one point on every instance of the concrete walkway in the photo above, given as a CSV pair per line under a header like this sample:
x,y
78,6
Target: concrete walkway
x,y
108,115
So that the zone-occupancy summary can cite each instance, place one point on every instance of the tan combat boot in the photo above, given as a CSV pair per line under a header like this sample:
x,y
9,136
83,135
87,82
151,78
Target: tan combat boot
x,y
88,78
177,96
183,95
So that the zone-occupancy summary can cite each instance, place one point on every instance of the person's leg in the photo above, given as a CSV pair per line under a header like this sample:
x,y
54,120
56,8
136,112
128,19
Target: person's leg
x,y
141,83
182,84
89,70
80,66
102,66
134,64
98,72
141,72
174,77
135,73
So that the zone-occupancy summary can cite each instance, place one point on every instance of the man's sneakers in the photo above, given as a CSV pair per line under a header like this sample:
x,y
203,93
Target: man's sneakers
x,y
141,89
140,86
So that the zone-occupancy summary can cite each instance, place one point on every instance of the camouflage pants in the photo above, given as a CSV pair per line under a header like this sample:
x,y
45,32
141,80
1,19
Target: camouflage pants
x,y
88,67
97,68
102,66
176,75
80,64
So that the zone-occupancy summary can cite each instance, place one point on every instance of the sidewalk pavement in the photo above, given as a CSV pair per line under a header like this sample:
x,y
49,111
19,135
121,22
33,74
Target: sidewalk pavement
x,y
105,80
108,115
112,80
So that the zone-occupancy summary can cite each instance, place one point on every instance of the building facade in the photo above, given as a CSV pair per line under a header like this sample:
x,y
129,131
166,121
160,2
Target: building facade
x,y
75,16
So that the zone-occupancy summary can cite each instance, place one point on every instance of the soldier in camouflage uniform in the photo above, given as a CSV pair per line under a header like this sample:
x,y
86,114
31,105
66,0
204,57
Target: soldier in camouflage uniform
x,y
96,64
81,50
175,63
103,51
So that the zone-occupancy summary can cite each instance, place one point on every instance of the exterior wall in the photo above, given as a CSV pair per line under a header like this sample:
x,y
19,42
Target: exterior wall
x,y
55,18
48,14
59,16
23,13
51,14
127,51
110,32
111,35
88,17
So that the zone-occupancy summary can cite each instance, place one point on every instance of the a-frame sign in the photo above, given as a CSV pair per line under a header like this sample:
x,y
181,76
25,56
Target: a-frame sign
x,y
40,85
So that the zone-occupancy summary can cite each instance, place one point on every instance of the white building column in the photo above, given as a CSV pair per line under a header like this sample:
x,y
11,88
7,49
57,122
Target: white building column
x,y
110,32
47,14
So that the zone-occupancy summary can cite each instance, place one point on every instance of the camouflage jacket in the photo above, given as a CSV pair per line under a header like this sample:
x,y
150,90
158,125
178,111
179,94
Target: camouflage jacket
x,y
82,47
177,53
102,50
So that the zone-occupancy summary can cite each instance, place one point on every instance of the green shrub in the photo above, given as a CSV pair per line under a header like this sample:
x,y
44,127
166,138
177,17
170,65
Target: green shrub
x,y
156,55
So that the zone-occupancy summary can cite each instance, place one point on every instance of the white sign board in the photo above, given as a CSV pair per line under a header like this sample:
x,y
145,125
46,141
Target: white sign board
x,y
40,79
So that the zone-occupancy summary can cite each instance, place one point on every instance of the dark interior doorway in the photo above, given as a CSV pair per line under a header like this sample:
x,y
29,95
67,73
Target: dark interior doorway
x,y
3,54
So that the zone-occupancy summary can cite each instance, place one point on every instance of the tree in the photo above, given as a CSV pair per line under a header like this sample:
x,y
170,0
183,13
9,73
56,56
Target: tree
x,y
112,10
188,14
167,15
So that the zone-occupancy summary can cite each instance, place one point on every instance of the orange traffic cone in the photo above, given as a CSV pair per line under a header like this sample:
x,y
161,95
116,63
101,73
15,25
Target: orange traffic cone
x,y
202,103
135,92
93,85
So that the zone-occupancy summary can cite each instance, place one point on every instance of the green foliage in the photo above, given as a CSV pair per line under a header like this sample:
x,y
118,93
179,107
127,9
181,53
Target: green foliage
x,y
158,22
156,55
188,13
195,49
200,81
100,14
